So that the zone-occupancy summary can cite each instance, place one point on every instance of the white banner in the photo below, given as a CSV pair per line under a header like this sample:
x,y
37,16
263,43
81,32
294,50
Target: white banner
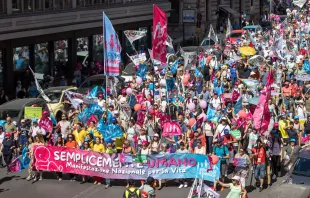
x,y
299,3
189,59
208,192
136,59
133,35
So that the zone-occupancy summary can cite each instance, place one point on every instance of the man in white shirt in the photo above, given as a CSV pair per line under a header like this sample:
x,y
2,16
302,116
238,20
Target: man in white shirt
x,y
219,132
35,129
216,102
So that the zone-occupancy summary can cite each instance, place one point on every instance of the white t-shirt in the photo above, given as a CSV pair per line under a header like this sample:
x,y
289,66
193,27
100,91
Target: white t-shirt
x,y
65,128
101,103
220,129
1,137
215,103
37,130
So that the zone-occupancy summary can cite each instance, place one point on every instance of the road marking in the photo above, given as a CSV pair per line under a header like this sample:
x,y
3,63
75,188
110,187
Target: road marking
x,y
89,192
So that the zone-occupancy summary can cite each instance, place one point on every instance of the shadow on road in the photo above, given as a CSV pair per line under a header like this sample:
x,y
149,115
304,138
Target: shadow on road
x,y
3,190
8,178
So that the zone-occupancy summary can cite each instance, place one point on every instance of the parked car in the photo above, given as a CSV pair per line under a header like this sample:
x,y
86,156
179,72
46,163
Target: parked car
x,y
253,28
235,35
100,80
15,108
300,171
57,97
290,190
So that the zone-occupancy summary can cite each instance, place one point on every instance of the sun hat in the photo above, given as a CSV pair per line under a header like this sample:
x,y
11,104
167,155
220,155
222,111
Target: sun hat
x,y
237,178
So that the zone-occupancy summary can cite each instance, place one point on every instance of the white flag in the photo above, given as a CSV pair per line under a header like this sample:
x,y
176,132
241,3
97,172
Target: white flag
x,y
133,35
229,28
212,34
40,90
299,3
169,42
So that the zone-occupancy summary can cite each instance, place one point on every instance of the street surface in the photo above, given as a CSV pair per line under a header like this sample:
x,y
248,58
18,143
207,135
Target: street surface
x,y
15,185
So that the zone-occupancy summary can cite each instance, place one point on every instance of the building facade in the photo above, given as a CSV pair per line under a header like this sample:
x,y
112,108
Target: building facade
x,y
55,37
215,13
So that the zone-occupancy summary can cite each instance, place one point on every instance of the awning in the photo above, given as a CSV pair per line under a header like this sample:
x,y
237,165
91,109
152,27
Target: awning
x,y
229,10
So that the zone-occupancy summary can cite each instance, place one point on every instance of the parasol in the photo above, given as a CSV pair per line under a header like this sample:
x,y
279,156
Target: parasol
x,y
247,51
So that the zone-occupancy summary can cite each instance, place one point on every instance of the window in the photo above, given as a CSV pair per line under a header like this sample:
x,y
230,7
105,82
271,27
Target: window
x,y
2,6
98,48
27,5
38,5
16,5
21,58
252,3
41,58
61,57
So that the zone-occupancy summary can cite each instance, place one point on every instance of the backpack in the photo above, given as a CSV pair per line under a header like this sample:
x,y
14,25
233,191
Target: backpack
x,y
132,194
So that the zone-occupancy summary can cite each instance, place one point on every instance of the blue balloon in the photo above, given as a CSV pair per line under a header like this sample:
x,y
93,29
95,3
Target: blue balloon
x,y
244,15
151,86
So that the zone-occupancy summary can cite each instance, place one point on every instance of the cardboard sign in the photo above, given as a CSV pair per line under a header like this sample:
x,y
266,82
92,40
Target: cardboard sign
x,y
33,112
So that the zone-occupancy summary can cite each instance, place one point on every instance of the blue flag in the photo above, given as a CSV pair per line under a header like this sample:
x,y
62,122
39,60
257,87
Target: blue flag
x,y
53,119
95,109
93,92
132,101
174,67
2,123
109,131
141,72
198,73
170,84
25,160
306,66
84,115
202,62
112,49
238,106
110,117
211,113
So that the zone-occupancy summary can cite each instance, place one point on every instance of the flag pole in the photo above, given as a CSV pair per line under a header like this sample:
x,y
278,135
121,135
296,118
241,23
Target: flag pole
x,y
104,62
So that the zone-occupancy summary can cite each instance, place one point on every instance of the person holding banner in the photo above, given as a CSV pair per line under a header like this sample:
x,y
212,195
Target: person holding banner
x,y
59,142
236,189
38,140
79,133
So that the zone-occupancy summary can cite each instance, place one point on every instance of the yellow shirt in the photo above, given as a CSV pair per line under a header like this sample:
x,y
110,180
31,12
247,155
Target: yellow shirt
x,y
99,148
80,136
95,132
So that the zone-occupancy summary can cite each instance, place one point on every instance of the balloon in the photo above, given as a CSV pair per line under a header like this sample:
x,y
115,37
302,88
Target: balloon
x,y
185,81
271,53
244,15
209,58
162,82
187,76
151,86
215,159
242,114
204,116
137,107
128,91
203,104
191,122
139,80
191,106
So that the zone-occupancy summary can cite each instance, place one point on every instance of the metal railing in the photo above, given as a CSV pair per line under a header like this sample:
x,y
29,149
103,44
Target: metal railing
x,y
25,6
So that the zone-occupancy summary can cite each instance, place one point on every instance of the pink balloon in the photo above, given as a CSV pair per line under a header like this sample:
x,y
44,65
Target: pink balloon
x,y
242,114
138,80
128,91
191,106
203,104
215,159
204,116
271,53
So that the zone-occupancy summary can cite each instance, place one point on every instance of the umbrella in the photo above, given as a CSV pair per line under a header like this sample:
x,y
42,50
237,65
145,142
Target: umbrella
x,y
253,100
247,51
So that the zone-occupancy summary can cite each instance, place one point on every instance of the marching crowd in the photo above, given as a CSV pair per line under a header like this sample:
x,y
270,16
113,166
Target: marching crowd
x,y
213,106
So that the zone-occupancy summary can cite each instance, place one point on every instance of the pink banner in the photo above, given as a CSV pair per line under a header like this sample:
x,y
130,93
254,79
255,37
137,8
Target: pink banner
x,y
159,49
171,129
261,114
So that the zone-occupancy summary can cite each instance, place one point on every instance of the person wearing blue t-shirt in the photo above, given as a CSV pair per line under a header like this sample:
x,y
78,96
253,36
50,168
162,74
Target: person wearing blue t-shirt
x,y
222,152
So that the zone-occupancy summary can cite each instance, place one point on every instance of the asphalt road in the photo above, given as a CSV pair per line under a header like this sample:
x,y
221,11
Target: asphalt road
x,y
15,186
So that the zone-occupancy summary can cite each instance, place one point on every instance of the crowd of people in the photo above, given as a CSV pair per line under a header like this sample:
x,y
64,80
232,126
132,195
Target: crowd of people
x,y
216,91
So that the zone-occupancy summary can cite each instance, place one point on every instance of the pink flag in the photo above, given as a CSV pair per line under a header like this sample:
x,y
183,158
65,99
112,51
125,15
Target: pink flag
x,y
164,118
15,166
171,129
235,95
140,119
159,49
46,123
261,114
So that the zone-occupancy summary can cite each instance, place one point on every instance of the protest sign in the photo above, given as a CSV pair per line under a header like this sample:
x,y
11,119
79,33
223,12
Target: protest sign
x,y
239,162
76,161
208,192
33,112
126,110
171,129
189,59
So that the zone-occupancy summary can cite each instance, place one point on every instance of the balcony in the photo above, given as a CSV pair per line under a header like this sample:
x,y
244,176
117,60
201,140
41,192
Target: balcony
x,y
25,18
